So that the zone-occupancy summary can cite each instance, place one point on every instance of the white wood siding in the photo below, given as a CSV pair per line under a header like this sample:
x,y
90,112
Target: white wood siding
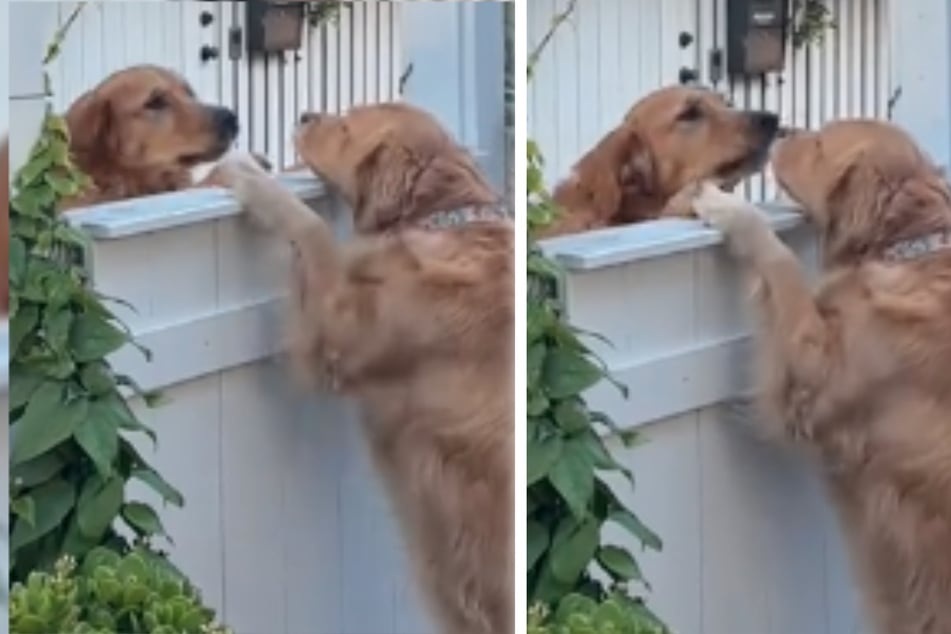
x,y
613,52
750,543
353,60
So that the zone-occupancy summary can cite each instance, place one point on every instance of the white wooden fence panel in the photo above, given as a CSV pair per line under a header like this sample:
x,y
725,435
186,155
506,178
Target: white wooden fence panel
x,y
612,52
285,527
750,542
353,60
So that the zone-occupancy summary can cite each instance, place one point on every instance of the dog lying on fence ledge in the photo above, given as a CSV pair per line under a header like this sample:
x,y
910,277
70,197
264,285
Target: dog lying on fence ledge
x,y
860,371
142,131
671,138
413,318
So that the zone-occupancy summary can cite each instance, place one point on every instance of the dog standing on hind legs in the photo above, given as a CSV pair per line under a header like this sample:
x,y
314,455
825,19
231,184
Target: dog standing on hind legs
x,y
859,371
413,318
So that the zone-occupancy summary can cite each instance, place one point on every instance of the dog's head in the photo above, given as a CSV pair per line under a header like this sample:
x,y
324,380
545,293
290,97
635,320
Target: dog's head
x,y
864,183
392,162
147,118
691,134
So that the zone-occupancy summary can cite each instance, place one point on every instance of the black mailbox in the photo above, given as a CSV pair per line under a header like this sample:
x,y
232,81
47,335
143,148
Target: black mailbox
x,y
756,36
274,26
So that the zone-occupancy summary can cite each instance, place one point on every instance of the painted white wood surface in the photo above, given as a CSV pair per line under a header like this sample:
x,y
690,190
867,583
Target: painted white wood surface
x,y
612,52
285,527
750,544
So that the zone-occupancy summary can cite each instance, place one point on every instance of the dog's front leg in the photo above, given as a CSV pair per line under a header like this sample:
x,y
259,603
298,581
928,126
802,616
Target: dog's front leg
x,y
798,342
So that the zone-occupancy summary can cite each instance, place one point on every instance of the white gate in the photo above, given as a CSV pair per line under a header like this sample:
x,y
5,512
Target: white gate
x,y
353,59
612,52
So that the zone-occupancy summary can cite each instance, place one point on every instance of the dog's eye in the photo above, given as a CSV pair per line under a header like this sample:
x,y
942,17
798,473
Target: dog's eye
x,y
156,102
690,113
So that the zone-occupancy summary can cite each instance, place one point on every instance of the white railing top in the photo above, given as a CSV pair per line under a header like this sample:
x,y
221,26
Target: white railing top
x,y
110,221
620,245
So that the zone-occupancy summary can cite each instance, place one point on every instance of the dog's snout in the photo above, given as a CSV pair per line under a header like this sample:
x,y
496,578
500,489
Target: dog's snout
x,y
226,121
766,121
307,117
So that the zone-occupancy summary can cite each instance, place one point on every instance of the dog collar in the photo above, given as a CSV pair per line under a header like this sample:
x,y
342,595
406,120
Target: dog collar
x,y
463,216
914,248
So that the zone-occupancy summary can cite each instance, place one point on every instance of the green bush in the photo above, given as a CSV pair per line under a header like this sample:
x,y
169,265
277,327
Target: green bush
x,y
110,594
577,614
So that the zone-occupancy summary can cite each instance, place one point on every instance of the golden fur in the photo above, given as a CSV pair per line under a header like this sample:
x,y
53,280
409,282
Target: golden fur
x,y
141,131
860,370
671,138
417,325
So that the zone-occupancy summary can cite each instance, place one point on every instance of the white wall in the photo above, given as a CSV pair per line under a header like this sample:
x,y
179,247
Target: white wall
x,y
922,69
454,56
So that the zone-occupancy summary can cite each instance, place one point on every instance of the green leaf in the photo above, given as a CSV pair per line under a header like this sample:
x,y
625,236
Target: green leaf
x,y
17,261
52,502
97,378
47,421
619,563
114,408
573,548
23,383
542,455
56,328
535,363
538,542
22,324
572,416
25,509
142,518
567,373
630,521
99,504
93,338
158,484
573,477
98,435
602,458
36,471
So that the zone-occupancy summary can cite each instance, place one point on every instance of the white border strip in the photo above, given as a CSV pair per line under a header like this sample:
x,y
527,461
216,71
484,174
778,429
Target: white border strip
x,y
621,245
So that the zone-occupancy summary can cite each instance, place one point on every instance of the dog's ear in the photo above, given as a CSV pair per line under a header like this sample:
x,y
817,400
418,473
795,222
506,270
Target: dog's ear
x,y
447,174
89,120
383,178
638,174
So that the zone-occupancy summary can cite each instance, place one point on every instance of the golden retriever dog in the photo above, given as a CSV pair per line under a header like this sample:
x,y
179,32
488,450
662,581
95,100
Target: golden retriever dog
x,y
414,319
671,138
860,370
142,131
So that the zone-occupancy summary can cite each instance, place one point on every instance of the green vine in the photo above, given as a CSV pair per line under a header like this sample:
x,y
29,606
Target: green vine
x,y
322,12
70,459
568,500
811,20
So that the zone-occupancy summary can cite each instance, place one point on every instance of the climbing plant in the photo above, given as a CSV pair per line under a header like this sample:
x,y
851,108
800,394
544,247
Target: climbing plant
x,y
569,501
811,20
70,454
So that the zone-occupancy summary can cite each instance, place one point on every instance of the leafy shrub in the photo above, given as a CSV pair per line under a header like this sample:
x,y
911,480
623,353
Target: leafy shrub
x,y
577,614
568,501
110,594
69,458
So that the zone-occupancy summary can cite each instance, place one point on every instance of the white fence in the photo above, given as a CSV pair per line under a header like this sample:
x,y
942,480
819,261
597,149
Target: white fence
x,y
750,546
750,543
284,529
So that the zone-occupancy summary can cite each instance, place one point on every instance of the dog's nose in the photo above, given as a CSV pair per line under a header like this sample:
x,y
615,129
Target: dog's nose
x,y
226,121
766,121
307,117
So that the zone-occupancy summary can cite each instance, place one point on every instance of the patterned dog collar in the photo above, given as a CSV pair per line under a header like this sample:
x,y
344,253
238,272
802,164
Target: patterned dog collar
x,y
463,216
917,247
